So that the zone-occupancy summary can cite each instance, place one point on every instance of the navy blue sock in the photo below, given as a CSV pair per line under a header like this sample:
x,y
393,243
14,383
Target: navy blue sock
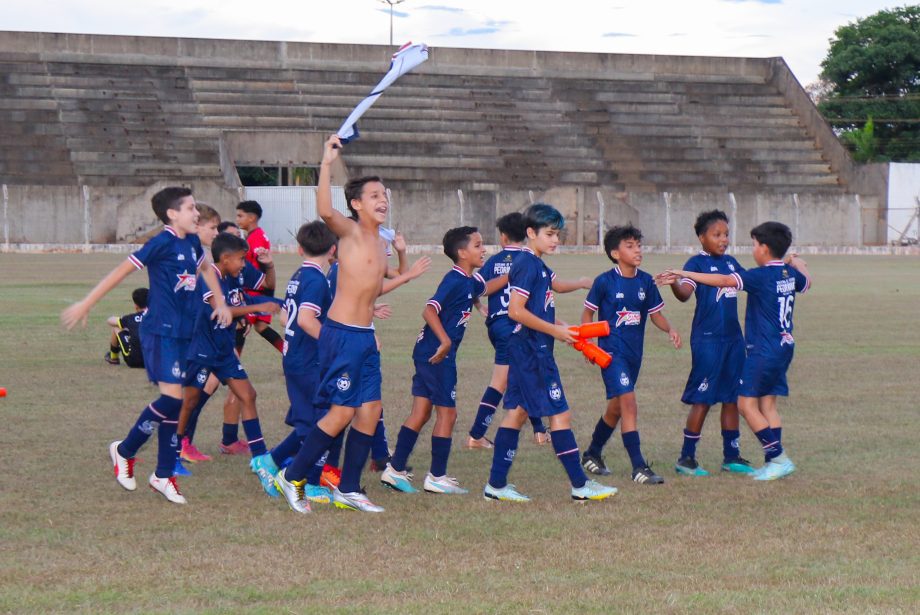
x,y
316,470
730,448
380,448
253,430
286,448
631,442
231,433
779,433
193,418
335,451
770,443
167,443
538,426
357,447
506,442
440,450
487,407
146,424
691,438
602,433
405,442
567,452
315,444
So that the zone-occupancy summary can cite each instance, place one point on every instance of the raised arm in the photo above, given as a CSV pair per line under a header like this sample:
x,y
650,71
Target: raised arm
x,y
418,268
496,285
709,279
264,256
799,265
77,313
518,312
399,244
338,223
567,286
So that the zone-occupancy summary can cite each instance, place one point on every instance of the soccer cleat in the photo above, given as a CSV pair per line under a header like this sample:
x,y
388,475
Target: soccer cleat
x,y
356,500
592,490
167,487
181,470
124,467
237,448
646,476
540,438
443,484
318,494
264,467
594,464
689,467
738,465
293,492
191,453
482,442
379,465
508,493
398,481
330,477
111,360
778,467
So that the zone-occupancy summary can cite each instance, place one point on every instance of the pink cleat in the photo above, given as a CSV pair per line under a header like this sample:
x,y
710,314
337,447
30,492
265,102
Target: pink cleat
x,y
191,453
237,448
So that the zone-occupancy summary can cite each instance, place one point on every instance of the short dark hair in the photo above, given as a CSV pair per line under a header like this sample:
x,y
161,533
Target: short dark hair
x,y
251,207
168,198
616,235
226,243
456,239
775,235
223,226
354,189
315,238
707,219
512,226
139,297
206,213
540,215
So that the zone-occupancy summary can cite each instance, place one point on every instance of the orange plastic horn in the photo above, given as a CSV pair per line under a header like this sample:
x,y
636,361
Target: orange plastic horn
x,y
600,328
594,353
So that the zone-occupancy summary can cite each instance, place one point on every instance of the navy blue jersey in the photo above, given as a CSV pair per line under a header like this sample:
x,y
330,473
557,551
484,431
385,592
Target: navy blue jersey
x,y
307,290
453,301
333,277
497,266
771,294
212,342
716,315
172,267
250,278
626,304
533,280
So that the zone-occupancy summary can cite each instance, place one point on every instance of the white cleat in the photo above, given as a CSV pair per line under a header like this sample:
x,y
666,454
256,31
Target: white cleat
x,y
168,487
293,492
354,501
443,484
592,490
124,467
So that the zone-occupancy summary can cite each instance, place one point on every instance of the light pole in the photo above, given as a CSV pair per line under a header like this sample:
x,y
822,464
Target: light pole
x,y
392,3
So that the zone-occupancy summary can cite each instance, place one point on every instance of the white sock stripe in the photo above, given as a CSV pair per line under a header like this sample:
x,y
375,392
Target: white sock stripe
x,y
770,445
696,437
569,452
482,403
256,440
176,422
154,410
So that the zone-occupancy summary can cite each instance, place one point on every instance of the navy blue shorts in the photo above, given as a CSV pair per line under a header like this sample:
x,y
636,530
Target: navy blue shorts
x,y
765,375
621,375
225,370
715,373
350,366
436,383
165,358
533,381
302,414
499,335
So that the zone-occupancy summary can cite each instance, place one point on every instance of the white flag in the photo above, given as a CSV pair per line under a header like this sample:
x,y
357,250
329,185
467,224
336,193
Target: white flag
x,y
408,57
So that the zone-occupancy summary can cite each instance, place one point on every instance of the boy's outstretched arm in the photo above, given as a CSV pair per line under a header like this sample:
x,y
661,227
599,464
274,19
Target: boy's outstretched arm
x,y
519,313
399,244
567,286
418,268
77,313
799,265
709,279
682,291
659,320
496,284
430,314
337,223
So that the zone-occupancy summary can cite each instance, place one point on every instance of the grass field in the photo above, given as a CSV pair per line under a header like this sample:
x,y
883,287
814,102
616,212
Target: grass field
x,y
840,535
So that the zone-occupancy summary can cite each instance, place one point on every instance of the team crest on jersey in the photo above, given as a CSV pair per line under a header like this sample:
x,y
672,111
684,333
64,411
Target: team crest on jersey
x,y
549,300
177,371
186,281
786,338
453,394
621,296
464,318
641,294
624,379
711,269
235,298
343,383
704,385
731,267
555,392
181,257
731,293
628,317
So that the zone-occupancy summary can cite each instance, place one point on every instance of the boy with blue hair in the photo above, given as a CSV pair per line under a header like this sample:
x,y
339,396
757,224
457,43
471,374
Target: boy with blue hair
x,y
173,259
771,288
534,385
434,384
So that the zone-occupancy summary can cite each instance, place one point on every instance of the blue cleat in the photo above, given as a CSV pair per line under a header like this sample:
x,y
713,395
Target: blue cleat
x,y
738,465
264,467
776,468
689,467
181,470
398,481
592,490
508,493
318,494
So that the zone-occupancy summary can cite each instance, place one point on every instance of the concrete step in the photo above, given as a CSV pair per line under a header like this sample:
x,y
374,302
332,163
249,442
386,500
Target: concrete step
x,y
163,156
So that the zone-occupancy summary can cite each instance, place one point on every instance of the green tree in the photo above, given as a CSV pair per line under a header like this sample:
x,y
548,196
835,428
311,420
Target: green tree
x,y
873,70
